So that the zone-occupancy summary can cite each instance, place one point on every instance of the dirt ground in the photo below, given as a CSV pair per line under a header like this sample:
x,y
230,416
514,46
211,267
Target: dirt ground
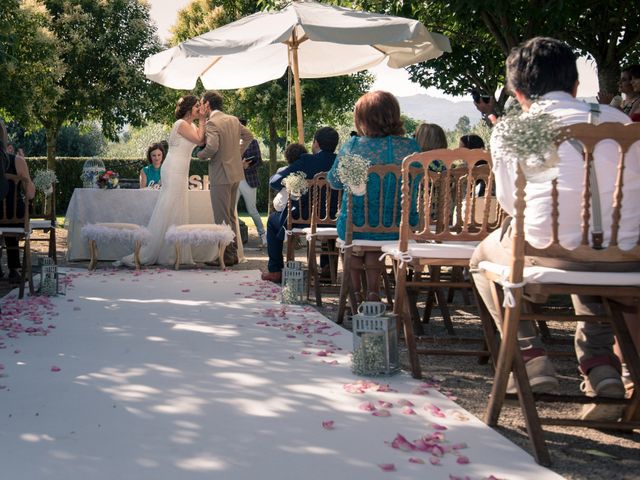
x,y
577,453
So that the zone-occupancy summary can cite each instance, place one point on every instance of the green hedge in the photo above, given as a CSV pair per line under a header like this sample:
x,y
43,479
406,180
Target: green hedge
x,y
69,170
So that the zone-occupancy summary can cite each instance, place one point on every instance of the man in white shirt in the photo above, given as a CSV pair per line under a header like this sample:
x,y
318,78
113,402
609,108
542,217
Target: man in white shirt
x,y
544,69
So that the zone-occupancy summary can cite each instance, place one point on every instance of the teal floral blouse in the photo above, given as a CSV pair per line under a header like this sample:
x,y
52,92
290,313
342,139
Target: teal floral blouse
x,y
379,151
153,174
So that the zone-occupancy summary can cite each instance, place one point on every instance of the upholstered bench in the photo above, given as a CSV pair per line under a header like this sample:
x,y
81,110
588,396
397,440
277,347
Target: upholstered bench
x,y
114,232
200,234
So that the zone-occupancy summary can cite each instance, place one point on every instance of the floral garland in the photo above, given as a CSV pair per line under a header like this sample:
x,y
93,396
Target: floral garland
x,y
530,137
44,181
108,179
296,184
353,172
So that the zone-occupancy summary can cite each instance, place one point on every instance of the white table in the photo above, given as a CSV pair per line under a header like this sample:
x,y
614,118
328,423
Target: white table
x,y
94,205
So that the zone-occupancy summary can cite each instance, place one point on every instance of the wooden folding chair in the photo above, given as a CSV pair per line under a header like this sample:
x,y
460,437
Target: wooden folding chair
x,y
593,272
382,216
42,220
297,221
14,222
322,234
451,220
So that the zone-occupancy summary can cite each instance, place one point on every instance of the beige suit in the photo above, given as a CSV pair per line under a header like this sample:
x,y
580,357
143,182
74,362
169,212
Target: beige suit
x,y
224,134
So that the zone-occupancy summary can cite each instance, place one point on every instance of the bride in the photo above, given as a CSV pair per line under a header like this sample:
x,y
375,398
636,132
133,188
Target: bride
x,y
172,206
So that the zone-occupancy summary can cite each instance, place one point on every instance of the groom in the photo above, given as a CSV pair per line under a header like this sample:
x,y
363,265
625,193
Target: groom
x,y
226,141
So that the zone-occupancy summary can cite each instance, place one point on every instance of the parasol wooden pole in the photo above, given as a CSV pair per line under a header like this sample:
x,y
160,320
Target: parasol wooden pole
x,y
293,58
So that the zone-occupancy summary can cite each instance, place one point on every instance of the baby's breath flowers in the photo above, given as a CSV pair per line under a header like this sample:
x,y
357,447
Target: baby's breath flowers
x,y
44,181
296,184
530,138
353,172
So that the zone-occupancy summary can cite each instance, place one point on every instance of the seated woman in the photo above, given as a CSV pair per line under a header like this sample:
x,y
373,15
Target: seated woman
x,y
150,175
16,166
380,140
431,137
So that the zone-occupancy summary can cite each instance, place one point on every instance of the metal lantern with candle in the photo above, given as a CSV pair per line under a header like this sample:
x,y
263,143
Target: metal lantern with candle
x,y
375,341
294,281
52,282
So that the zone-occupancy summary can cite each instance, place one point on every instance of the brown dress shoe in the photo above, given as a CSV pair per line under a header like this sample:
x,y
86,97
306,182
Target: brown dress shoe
x,y
275,277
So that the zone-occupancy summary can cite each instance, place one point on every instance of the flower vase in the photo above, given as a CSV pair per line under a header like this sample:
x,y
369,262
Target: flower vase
x,y
359,190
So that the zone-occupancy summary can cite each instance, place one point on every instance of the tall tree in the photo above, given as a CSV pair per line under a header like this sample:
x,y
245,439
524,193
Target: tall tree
x,y
30,67
102,46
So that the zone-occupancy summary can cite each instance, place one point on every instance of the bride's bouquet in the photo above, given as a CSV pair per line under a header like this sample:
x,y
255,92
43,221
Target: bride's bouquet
x,y
530,138
353,172
296,184
44,181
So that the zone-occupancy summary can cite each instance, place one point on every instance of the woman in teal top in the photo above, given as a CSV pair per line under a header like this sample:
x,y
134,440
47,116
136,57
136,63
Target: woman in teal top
x,y
150,175
380,140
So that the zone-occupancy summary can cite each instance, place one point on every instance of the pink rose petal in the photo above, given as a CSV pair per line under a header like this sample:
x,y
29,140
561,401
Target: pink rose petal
x,y
367,406
384,404
415,460
408,411
381,413
434,461
462,460
387,467
55,369
328,424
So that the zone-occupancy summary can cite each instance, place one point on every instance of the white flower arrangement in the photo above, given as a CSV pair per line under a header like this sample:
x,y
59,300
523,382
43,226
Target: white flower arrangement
x,y
353,172
296,184
44,181
530,137
289,295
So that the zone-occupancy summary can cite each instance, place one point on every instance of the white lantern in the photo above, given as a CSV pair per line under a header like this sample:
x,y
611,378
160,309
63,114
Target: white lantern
x,y
375,341
294,281
91,170
52,282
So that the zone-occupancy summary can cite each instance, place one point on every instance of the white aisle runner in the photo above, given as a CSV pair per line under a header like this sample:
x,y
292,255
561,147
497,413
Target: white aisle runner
x,y
204,375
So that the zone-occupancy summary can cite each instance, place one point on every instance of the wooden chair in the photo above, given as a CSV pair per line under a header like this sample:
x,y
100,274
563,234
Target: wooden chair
x,y
450,225
42,220
519,281
14,223
322,234
379,220
295,218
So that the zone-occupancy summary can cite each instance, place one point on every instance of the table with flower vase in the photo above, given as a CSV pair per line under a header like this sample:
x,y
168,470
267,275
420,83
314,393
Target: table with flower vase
x,y
95,205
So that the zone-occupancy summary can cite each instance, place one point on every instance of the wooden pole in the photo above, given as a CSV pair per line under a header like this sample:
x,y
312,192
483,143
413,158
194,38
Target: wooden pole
x,y
293,59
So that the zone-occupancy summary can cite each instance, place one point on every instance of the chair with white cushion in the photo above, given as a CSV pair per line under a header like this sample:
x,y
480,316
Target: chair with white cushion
x,y
445,207
129,233
322,234
597,266
42,220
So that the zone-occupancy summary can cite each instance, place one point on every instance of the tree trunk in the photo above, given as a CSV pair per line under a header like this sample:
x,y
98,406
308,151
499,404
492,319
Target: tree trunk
x,y
273,157
52,138
608,74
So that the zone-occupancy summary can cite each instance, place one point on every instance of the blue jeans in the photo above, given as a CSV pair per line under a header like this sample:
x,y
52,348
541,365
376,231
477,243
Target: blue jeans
x,y
275,240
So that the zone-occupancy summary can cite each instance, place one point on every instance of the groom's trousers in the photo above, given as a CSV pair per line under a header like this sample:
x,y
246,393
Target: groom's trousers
x,y
223,201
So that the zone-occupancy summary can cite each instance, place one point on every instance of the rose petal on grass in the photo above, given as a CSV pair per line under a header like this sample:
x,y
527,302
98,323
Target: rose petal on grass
x,y
387,467
328,424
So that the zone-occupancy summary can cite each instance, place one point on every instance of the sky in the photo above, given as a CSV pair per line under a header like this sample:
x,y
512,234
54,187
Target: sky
x,y
396,81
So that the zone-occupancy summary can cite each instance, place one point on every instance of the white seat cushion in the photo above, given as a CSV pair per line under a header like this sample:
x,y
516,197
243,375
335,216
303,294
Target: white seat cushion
x,y
119,232
567,277
200,234
40,223
453,250
321,232
365,243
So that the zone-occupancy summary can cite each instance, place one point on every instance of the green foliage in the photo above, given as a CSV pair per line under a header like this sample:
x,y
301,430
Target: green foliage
x,y
75,140
30,67
464,125
135,142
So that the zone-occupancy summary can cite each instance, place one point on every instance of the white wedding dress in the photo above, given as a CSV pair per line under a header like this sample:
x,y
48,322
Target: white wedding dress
x,y
172,207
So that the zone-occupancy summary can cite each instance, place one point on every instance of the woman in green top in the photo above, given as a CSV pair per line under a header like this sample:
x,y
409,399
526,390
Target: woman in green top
x,y
150,175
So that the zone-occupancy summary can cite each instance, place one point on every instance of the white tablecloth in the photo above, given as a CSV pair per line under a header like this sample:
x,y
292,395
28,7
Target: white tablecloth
x,y
93,205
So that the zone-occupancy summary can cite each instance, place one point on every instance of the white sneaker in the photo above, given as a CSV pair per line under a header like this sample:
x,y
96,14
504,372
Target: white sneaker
x,y
263,238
